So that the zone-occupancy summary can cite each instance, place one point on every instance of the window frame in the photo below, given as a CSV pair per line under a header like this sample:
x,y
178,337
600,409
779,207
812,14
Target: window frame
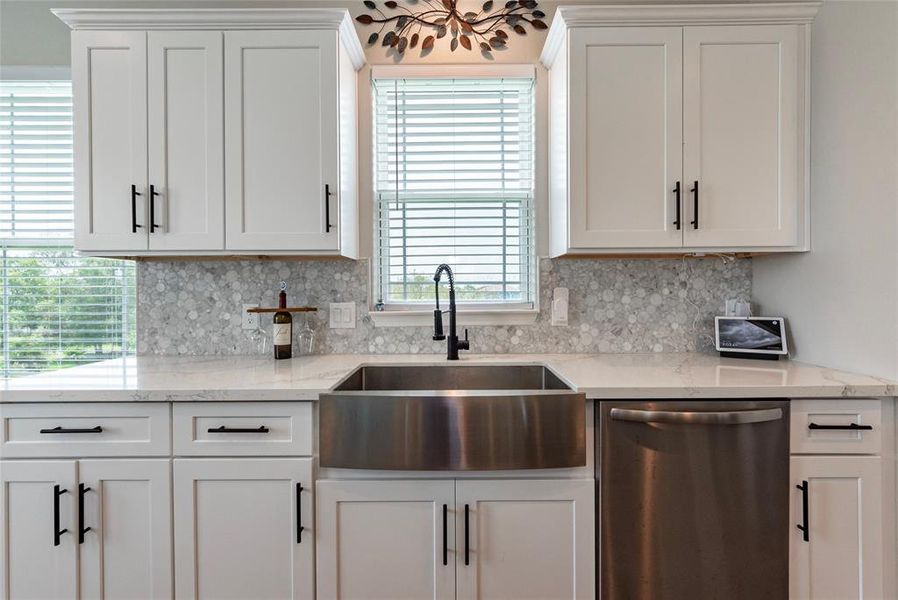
x,y
474,313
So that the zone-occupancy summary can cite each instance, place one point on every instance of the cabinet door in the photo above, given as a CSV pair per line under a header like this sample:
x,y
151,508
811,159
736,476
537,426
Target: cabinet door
x,y
281,123
626,138
109,83
127,552
843,555
386,540
186,145
34,562
526,538
242,528
741,134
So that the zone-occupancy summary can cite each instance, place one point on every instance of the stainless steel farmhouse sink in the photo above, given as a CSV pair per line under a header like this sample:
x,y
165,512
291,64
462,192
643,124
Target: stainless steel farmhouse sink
x,y
457,418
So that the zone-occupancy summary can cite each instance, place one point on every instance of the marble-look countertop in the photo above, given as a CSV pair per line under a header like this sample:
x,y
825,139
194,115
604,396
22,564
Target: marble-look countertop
x,y
603,376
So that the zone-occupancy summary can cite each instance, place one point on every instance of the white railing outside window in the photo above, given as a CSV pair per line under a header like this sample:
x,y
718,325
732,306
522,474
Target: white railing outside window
x,y
56,309
454,183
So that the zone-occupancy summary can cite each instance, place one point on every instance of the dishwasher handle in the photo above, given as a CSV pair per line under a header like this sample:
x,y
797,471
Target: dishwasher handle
x,y
730,417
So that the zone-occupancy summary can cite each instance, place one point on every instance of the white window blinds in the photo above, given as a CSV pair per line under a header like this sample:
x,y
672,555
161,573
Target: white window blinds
x,y
57,309
454,184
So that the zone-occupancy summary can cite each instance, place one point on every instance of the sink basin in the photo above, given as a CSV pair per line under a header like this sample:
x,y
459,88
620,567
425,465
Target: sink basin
x,y
452,417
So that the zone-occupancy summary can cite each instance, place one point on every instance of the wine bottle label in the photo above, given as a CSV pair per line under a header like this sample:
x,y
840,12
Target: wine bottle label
x,y
283,334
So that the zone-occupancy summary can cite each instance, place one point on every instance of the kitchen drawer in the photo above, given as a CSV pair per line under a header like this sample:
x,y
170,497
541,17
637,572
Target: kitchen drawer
x,y
84,430
821,426
265,429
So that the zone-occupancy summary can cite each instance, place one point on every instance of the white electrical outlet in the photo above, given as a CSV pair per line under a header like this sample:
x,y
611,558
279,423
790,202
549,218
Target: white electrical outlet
x,y
560,301
342,315
250,320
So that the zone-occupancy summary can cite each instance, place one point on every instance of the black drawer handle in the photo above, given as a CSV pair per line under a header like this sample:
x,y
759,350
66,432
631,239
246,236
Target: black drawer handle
x,y
81,528
327,207
223,429
60,429
153,194
849,427
804,527
57,532
694,191
299,527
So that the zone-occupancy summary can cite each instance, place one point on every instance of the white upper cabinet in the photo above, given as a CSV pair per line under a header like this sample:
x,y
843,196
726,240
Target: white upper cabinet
x,y
109,84
281,120
740,142
158,92
186,165
678,128
626,154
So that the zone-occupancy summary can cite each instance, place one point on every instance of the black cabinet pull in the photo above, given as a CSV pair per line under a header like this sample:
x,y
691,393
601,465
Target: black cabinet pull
x,y
61,429
694,191
153,194
223,429
327,208
676,191
805,529
134,195
81,528
299,526
57,532
849,427
467,539
445,533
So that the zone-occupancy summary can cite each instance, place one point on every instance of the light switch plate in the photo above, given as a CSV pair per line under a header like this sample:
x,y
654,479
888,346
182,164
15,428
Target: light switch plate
x,y
560,299
342,315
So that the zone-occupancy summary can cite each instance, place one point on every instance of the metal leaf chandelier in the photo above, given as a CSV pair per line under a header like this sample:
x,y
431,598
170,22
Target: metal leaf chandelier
x,y
432,20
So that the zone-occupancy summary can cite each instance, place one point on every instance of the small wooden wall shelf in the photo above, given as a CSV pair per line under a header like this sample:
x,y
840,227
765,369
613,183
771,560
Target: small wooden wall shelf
x,y
291,309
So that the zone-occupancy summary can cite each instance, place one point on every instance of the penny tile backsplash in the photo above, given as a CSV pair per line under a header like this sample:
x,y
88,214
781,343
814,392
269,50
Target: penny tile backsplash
x,y
664,305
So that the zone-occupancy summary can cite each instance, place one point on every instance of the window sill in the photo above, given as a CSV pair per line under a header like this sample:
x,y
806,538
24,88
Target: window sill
x,y
406,318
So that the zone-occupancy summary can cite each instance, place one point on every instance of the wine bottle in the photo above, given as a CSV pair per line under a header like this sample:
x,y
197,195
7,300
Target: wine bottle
x,y
282,333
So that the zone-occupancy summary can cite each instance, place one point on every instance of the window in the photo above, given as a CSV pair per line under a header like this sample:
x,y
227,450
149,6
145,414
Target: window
x,y
57,309
454,184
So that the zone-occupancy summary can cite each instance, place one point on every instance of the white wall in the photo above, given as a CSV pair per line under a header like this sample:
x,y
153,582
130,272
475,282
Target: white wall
x,y
841,299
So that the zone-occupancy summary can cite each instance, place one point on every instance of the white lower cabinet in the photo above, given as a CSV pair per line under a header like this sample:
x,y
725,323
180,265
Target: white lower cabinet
x,y
38,521
386,539
841,557
127,550
106,523
525,539
402,539
243,528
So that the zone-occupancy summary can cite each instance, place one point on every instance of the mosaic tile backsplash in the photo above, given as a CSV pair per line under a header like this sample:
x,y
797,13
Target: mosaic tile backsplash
x,y
194,307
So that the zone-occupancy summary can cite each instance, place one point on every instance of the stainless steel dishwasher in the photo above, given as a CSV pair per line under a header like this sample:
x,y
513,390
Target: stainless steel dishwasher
x,y
693,500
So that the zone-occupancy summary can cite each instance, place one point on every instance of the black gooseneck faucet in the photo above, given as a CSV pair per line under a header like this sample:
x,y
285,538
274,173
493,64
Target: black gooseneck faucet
x,y
453,343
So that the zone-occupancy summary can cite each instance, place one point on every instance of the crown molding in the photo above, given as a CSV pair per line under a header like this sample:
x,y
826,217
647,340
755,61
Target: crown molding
x,y
623,15
147,19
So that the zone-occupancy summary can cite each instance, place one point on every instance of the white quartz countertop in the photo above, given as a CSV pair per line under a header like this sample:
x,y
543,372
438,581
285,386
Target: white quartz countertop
x,y
603,376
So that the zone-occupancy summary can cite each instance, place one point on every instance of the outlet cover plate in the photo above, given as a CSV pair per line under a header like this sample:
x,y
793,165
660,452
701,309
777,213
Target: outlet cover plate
x,y
341,315
250,321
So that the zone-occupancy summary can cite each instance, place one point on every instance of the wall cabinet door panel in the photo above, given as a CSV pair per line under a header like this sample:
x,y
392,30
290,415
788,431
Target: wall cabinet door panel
x,y
385,540
281,123
626,136
186,145
109,81
127,553
237,528
740,132
526,539
843,555
33,562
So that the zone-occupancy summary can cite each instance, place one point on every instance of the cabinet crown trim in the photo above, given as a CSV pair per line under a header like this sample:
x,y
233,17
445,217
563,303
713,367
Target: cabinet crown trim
x,y
145,19
567,17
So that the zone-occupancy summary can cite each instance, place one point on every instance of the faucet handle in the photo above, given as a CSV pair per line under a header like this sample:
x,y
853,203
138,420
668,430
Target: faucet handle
x,y
464,344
